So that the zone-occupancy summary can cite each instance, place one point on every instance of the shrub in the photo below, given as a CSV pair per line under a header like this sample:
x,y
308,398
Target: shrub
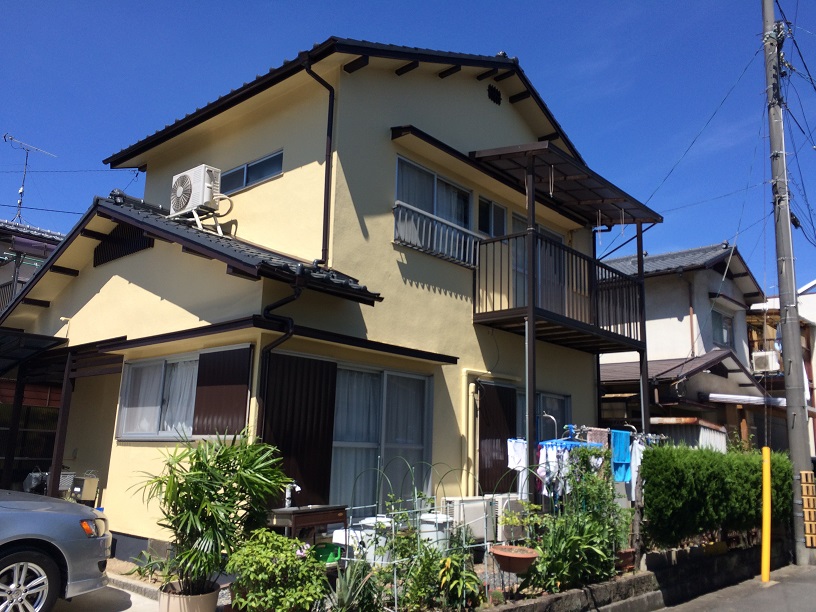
x,y
274,572
577,545
689,492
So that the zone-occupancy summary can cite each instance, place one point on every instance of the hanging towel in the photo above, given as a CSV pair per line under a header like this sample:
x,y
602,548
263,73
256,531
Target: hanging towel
x,y
598,436
516,454
637,457
621,456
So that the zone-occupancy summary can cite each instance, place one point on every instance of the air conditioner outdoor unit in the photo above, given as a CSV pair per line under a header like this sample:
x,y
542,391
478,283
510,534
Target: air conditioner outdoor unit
x,y
195,188
765,361
477,513
504,503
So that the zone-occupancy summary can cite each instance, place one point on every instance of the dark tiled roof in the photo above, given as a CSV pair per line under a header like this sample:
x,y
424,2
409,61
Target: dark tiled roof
x,y
243,256
317,53
28,231
700,257
663,369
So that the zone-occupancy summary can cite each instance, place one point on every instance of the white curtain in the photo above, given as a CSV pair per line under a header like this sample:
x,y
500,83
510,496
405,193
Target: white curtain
x,y
179,401
357,431
452,203
141,403
404,440
415,186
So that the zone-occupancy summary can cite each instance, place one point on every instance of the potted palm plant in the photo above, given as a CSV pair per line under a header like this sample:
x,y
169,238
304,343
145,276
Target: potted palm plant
x,y
212,494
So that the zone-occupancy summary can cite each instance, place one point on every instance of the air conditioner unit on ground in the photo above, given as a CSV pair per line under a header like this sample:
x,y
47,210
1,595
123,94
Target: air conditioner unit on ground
x,y
195,188
765,361
477,513
504,504
485,515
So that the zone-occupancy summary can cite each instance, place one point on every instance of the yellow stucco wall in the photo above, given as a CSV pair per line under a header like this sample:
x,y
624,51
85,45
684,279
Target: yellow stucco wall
x,y
151,292
284,213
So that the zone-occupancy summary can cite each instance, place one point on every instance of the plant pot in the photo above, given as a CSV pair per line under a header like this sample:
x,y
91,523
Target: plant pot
x,y
625,560
173,602
514,559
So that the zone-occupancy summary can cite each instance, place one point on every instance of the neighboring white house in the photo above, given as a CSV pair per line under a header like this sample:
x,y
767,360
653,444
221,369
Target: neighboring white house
x,y
697,345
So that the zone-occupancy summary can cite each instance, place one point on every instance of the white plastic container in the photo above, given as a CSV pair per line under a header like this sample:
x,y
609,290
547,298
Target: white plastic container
x,y
435,527
375,532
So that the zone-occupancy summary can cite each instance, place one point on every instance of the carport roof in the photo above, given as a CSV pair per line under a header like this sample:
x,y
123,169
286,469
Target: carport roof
x,y
17,346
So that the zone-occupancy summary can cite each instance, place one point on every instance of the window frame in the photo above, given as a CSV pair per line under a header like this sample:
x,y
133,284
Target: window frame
x,y
718,319
491,217
435,204
244,168
383,446
126,382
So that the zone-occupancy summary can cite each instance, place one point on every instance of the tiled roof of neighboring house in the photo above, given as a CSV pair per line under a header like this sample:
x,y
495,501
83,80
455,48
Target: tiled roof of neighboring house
x,y
28,231
662,369
500,62
689,259
715,256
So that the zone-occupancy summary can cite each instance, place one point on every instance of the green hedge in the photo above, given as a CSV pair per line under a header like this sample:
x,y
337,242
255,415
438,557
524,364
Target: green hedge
x,y
688,492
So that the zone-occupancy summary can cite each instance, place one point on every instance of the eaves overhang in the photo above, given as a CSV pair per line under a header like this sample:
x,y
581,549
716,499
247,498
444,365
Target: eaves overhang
x,y
241,258
258,322
500,67
563,184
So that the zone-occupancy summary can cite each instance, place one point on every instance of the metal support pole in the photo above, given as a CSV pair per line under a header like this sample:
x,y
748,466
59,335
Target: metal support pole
x,y
773,35
645,416
530,326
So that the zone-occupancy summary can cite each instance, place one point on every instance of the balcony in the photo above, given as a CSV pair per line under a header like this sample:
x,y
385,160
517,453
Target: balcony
x,y
433,235
579,302
8,290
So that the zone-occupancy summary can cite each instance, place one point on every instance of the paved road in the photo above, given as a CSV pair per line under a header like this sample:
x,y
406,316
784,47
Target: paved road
x,y
791,589
109,599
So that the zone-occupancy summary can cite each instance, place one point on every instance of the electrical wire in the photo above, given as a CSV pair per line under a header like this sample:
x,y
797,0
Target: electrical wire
x,y
705,126
51,210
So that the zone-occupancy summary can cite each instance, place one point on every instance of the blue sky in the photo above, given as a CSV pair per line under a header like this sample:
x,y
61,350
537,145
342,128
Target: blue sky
x,y
632,84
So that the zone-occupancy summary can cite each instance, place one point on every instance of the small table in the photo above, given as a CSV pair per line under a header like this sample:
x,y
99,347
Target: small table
x,y
296,518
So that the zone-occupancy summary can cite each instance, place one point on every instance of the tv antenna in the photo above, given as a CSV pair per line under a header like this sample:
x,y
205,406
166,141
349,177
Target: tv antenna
x,y
17,144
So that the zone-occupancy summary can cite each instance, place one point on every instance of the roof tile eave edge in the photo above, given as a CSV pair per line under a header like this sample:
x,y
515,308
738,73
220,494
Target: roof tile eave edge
x,y
5,313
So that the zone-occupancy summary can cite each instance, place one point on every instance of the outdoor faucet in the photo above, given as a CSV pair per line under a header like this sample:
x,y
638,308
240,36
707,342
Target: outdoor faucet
x,y
289,488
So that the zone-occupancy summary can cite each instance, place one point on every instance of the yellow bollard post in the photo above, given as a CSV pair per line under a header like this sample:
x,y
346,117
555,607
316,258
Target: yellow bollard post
x,y
766,514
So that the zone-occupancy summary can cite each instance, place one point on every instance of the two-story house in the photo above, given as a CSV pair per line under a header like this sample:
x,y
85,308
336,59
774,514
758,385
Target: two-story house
x,y
393,223
700,371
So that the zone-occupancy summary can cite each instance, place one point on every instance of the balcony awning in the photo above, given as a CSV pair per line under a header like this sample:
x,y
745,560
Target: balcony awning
x,y
563,184
566,183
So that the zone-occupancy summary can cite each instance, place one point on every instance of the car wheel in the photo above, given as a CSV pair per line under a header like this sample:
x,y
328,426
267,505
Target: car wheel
x,y
29,582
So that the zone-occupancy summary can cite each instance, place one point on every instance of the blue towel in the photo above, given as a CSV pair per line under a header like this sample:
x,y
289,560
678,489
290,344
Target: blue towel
x,y
621,456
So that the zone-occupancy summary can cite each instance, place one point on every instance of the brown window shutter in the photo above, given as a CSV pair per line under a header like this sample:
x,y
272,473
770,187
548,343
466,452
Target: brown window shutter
x,y
299,421
222,391
497,423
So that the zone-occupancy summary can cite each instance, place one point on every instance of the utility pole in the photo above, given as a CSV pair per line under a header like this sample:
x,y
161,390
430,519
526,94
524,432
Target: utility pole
x,y
797,420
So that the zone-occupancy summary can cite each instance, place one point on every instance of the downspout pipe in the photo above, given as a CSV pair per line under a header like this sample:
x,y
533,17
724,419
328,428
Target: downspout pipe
x,y
324,254
289,331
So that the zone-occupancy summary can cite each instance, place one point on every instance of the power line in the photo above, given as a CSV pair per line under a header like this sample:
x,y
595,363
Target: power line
x,y
705,126
719,197
53,210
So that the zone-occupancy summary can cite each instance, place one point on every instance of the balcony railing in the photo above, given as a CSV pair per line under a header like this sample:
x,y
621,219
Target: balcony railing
x,y
568,284
425,232
7,291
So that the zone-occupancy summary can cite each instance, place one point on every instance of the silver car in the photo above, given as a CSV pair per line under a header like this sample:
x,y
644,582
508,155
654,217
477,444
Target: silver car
x,y
49,548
